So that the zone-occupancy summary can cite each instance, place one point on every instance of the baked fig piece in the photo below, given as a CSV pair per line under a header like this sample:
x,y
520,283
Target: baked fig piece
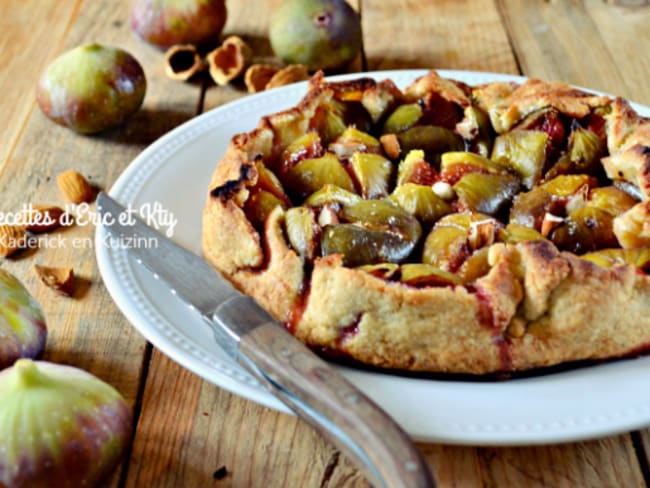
x,y
421,202
302,231
447,223
310,175
403,118
379,232
414,168
431,139
485,193
373,173
456,236
523,151
640,258
455,165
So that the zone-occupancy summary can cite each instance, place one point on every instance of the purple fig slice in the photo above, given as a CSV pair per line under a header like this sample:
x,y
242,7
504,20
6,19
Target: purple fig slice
x,y
22,326
60,426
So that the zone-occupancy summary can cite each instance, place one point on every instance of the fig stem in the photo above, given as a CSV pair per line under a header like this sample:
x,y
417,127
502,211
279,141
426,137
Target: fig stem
x,y
27,374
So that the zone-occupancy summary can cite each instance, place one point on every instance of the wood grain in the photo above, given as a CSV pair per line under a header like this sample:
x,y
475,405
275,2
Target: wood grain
x,y
435,34
626,39
87,330
184,441
550,42
32,32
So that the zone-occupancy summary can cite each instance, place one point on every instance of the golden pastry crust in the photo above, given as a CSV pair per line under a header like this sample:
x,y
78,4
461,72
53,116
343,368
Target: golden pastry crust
x,y
508,104
535,307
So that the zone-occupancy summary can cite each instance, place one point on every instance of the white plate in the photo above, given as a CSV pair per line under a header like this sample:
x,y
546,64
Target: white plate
x,y
175,171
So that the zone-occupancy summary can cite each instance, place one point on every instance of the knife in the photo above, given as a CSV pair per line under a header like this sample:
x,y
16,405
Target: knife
x,y
311,388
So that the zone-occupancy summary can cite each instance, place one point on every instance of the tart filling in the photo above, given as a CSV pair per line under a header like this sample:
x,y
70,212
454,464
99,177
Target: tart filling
x,y
443,228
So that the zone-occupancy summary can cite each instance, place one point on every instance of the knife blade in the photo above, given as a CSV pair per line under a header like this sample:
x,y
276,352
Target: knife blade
x,y
308,385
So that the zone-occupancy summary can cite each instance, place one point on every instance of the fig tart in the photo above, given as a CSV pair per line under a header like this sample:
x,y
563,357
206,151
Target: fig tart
x,y
444,227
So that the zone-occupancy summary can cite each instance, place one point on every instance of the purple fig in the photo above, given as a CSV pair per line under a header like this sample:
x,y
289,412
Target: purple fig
x,y
91,88
169,22
322,34
60,427
22,326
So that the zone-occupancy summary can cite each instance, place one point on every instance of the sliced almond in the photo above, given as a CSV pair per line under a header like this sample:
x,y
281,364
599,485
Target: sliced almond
x,y
12,239
482,233
291,74
75,187
550,223
258,76
42,218
229,60
59,279
183,61
391,146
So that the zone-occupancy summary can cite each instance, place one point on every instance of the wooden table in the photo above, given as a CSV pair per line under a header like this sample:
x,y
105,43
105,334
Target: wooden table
x,y
187,428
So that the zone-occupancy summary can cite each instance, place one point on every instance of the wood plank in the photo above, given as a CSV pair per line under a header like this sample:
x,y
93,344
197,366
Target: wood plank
x,y
443,34
244,20
86,331
623,39
605,462
184,442
32,32
559,41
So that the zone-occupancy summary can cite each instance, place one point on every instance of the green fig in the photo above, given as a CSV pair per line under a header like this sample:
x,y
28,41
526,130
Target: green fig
x,y
169,22
60,427
91,88
22,326
321,34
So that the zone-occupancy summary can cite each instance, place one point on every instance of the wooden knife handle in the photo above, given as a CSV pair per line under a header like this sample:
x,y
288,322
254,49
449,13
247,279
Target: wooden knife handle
x,y
331,404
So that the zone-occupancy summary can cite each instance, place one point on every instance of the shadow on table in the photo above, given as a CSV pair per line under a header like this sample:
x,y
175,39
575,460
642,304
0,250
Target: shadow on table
x,y
147,125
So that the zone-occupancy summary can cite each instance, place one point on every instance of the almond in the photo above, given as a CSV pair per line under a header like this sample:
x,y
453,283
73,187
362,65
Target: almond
x,y
258,76
291,74
43,218
12,239
391,145
59,279
75,187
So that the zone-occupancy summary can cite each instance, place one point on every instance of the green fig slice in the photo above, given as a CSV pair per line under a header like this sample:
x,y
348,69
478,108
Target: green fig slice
x,y
332,194
403,117
310,175
486,193
523,151
420,201
379,232
373,173
60,426
22,327
302,231
607,258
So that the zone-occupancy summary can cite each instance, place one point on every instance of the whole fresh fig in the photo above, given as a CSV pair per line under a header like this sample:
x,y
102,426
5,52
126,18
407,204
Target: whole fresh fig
x,y
322,34
168,22
60,427
91,88
22,326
